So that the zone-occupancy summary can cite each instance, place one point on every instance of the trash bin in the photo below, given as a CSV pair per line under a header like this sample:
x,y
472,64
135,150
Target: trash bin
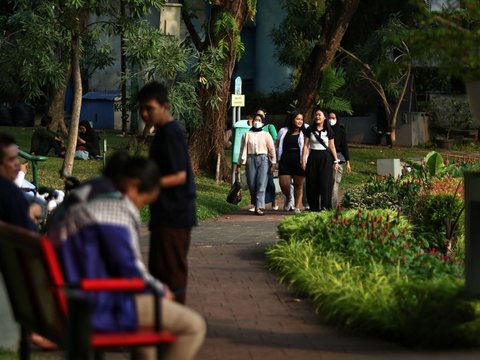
x,y
103,109
240,128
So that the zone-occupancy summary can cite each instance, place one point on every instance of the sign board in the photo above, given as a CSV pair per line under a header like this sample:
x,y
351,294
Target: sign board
x,y
238,100
238,85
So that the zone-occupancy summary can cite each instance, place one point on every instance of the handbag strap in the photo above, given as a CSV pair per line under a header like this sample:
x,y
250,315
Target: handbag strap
x,y
320,140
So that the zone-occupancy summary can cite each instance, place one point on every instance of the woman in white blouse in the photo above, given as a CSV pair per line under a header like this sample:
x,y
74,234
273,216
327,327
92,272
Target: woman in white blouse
x,y
256,150
319,149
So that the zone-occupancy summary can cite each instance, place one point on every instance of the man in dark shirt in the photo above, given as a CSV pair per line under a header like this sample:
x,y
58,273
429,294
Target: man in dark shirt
x,y
14,208
44,139
173,215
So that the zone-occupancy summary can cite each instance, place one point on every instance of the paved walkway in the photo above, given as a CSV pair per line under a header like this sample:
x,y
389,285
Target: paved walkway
x,y
251,315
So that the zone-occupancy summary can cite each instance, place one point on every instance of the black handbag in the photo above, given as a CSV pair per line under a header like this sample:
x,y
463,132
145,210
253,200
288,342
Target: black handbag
x,y
235,194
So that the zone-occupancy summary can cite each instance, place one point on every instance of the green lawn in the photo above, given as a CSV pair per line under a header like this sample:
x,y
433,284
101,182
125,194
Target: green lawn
x,y
363,161
210,195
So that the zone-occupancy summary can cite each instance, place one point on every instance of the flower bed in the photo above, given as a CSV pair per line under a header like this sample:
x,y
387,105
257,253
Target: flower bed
x,y
391,265
387,285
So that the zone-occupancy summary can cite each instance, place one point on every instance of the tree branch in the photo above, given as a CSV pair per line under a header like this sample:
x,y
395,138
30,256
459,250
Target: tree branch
x,y
187,19
370,76
404,89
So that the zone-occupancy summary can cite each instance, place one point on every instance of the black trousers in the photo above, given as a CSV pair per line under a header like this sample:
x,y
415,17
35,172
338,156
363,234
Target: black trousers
x,y
167,260
319,180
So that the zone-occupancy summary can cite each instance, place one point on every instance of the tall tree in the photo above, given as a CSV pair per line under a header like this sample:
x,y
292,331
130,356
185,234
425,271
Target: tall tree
x,y
386,63
311,45
49,43
219,46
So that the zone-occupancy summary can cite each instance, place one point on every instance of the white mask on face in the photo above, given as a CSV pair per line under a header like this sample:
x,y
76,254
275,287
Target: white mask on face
x,y
257,124
332,121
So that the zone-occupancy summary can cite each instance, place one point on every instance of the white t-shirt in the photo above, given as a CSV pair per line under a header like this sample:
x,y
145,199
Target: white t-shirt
x,y
315,144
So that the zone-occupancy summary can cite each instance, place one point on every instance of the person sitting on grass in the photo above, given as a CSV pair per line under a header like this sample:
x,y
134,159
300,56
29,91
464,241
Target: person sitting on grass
x,y
88,140
96,234
44,139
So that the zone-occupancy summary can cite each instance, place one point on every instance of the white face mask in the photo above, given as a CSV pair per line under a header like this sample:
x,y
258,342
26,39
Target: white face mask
x,y
332,121
257,124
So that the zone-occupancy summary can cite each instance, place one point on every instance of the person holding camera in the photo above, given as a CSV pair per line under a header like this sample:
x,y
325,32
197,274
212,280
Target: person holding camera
x,y
341,146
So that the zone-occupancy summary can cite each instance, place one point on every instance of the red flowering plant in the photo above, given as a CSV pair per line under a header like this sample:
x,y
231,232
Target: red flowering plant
x,y
363,236
438,213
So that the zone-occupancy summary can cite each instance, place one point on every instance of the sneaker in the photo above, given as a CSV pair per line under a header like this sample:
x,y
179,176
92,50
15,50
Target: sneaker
x,y
287,207
275,208
251,209
297,211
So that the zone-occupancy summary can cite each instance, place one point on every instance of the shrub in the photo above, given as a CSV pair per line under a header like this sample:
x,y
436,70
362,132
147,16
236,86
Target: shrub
x,y
384,236
438,214
384,193
377,299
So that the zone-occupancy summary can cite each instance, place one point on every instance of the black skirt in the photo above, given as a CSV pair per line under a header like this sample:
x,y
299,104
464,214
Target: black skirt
x,y
290,164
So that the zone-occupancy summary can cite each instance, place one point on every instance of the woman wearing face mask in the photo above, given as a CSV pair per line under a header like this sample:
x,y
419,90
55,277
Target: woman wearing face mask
x,y
319,146
341,146
290,150
256,150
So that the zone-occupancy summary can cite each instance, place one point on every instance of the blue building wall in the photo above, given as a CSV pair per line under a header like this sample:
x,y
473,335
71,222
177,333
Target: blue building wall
x,y
270,75
258,67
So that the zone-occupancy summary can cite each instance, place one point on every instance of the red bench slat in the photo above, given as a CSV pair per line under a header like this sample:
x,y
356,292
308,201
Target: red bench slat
x,y
112,284
142,337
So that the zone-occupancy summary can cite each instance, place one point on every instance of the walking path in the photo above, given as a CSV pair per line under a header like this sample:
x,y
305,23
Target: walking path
x,y
251,315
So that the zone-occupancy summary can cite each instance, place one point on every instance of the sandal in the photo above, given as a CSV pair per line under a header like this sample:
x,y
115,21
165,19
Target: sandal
x,y
259,212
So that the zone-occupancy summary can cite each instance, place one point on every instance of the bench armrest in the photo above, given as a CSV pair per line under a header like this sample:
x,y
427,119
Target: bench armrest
x,y
112,284
30,157
118,284
34,159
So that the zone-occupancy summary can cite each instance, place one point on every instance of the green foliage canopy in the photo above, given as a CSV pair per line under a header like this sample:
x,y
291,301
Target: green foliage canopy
x,y
295,37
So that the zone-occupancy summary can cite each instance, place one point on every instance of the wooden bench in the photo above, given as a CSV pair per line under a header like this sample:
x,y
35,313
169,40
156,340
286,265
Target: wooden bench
x,y
42,303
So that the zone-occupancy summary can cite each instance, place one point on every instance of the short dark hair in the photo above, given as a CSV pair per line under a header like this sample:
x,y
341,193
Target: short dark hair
x,y
121,167
153,90
46,120
5,141
262,109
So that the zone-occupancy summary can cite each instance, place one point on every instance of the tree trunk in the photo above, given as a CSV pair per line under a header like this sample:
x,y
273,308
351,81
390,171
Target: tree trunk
x,y
336,20
207,143
77,104
123,74
57,107
396,110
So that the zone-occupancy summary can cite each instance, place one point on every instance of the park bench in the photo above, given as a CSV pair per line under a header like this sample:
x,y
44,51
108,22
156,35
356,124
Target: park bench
x,y
44,304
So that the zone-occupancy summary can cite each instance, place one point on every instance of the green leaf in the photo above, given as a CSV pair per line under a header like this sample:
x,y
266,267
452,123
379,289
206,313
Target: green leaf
x,y
435,163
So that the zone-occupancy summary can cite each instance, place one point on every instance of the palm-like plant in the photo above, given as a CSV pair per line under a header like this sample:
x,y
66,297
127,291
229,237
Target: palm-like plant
x,y
332,81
